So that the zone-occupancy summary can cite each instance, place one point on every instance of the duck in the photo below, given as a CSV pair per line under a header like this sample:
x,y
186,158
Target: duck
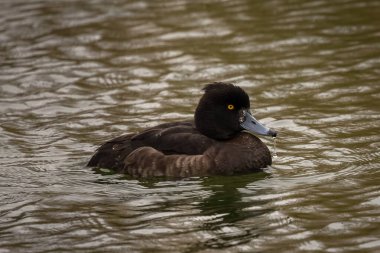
x,y
220,140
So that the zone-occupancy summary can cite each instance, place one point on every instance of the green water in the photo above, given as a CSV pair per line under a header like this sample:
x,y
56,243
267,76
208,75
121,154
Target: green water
x,y
76,73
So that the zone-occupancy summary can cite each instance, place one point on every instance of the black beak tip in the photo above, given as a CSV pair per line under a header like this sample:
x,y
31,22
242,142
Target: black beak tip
x,y
272,133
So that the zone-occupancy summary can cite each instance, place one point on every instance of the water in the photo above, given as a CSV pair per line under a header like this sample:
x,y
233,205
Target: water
x,y
76,73
274,152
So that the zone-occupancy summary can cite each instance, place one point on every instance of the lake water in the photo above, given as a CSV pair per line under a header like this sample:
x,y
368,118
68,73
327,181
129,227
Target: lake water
x,y
76,73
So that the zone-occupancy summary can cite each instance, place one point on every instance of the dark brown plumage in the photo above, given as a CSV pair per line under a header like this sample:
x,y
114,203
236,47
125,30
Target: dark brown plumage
x,y
212,144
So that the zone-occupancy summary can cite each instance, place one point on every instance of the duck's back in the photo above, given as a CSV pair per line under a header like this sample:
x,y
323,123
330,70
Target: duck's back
x,y
178,138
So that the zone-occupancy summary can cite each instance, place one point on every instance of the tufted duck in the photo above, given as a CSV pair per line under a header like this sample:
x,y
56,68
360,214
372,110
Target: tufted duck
x,y
217,142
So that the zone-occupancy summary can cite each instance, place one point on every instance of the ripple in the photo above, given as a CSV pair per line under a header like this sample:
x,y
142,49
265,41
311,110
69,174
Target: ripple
x,y
75,74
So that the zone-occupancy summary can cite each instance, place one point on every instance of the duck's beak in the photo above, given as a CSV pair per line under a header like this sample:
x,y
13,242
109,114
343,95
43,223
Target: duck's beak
x,y
249,123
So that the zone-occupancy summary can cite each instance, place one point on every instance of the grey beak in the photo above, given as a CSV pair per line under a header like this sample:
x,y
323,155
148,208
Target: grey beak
x,y
249,123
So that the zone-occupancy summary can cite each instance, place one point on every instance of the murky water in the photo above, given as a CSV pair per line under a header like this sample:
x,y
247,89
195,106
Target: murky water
x,y
76,73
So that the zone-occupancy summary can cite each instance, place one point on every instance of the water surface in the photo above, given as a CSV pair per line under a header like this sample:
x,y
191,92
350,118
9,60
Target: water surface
x,y
76,73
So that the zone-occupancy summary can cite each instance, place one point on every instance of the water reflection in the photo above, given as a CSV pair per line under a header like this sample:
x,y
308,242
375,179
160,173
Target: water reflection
x,y
226,208
226,198
76,73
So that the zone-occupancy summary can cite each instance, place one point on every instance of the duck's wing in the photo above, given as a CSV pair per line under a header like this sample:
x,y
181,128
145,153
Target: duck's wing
x,y
169,138
176,139
112,153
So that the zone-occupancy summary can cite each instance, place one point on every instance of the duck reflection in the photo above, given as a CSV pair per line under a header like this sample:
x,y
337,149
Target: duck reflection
x,y
228,207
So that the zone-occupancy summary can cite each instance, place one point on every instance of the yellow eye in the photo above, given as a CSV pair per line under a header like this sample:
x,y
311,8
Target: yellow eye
x,y
230,107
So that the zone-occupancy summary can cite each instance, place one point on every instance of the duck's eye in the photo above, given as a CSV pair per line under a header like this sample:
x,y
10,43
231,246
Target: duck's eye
x,y
230,107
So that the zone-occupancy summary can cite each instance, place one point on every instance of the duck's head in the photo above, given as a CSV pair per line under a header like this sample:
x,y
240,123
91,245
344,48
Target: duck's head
x,y
224,110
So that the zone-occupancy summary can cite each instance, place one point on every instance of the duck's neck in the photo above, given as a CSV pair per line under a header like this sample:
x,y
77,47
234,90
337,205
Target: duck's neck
x,y
208,124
